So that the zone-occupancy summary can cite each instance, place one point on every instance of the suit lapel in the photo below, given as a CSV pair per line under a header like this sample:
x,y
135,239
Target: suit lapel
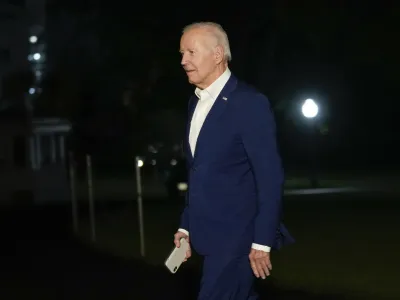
x,y
216,111
191,107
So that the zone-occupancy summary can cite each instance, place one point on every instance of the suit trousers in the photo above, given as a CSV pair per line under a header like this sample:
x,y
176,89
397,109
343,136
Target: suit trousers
x,y
227,277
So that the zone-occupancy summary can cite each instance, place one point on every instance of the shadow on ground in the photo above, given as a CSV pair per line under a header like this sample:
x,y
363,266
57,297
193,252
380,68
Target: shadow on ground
x,y
41,260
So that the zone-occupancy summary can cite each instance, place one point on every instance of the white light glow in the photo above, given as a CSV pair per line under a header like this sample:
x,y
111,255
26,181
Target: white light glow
x,y
33,39
36,56
309,109
140,163
182,186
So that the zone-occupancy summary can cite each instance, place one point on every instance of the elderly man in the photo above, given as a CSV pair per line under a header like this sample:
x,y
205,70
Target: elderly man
x,y
233,205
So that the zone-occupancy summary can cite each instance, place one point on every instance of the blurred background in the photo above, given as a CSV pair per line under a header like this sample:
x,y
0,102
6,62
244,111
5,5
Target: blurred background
x,y
93,104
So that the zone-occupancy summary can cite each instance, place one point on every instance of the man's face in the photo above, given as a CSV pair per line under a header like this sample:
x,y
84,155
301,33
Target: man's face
x,y
198,58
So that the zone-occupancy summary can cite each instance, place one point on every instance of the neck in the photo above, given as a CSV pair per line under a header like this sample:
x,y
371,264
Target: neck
x,y
219,70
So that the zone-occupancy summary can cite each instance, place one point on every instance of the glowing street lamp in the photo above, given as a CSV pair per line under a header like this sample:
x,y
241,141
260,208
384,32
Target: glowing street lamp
x,y
36,56
140,163
33,39
309,109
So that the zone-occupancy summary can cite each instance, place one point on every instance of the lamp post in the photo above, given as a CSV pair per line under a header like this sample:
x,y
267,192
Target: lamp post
x,y
139,164
310,111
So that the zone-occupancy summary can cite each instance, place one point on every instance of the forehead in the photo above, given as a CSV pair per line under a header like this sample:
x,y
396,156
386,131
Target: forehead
x,y
195,38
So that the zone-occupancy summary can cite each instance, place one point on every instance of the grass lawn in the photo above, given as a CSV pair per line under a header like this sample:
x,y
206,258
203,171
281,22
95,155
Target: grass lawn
x,y
346,244
124,188
304,183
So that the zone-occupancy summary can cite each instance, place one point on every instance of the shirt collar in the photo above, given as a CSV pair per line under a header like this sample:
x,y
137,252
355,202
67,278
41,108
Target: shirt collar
x,y
215,88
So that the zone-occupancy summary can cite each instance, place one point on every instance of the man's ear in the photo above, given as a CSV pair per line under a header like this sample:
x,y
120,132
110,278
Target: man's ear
x,y
219,54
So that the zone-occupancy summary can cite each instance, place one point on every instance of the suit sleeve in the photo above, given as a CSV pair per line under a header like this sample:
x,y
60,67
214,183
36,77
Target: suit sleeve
x,y
259,139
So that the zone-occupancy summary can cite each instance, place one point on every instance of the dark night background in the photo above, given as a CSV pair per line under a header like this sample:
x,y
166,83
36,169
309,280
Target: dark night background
x,y
340,53
109,72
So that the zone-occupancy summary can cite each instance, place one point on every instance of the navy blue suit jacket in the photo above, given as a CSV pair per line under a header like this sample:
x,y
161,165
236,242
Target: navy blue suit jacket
x,y
235,176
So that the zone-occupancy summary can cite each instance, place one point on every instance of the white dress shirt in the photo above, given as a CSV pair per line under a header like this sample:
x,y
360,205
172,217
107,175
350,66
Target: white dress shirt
x,y
207,98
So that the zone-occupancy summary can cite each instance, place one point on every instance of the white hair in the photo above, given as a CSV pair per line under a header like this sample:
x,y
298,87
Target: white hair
x,y
217,31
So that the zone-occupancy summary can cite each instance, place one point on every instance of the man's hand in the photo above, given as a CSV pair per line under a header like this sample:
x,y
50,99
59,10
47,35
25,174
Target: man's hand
x,y
260,263
177,242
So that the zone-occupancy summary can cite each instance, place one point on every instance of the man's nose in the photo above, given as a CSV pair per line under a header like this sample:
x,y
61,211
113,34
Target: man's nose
x,y
183,60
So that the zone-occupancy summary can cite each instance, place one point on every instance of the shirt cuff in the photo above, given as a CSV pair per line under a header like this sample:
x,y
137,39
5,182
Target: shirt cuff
x,y
254,245
184,231
261,247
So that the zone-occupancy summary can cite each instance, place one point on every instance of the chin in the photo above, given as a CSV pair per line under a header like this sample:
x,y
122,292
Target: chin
x,y
191,81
